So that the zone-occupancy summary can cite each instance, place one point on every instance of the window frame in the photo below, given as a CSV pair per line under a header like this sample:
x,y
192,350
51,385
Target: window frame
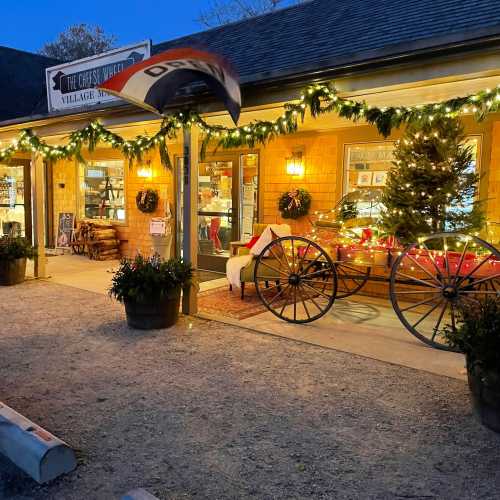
x,y
80,201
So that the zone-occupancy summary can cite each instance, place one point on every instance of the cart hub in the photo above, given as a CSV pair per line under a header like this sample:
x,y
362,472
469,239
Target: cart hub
x,y
294,279
450,292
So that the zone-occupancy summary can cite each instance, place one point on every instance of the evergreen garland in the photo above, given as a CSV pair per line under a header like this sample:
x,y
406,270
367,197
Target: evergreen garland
x,y
318,99
294,204
147,200
431,187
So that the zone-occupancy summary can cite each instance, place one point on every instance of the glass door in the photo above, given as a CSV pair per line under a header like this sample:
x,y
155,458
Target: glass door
x,y
227,206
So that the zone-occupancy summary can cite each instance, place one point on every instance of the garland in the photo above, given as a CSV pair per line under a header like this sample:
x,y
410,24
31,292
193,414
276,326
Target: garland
x,y
294,204
317,99
147,200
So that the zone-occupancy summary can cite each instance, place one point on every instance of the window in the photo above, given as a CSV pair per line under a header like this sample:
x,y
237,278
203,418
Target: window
x,y
12,213
366,167
102,190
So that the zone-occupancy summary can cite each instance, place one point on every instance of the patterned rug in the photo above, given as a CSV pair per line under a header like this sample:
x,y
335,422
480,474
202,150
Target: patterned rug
x,y
220,301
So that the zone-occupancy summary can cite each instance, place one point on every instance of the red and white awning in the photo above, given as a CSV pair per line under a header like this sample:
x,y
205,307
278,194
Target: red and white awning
x,y
152,84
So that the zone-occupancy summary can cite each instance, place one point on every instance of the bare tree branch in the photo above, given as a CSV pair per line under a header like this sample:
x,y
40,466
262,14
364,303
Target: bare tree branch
x,y
77,42
222,12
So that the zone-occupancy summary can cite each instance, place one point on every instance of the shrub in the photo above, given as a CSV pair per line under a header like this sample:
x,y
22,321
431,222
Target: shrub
x,y
12,248
145,279
478,333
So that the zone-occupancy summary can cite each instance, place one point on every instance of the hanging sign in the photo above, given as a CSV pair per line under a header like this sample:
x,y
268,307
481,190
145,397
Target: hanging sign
x,y
72,85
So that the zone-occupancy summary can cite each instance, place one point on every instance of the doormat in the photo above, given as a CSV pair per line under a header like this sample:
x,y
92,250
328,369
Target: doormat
x,y
222,302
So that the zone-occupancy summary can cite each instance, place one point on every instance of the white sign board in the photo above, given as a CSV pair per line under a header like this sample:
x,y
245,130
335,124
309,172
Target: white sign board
x,y
72,85
158,226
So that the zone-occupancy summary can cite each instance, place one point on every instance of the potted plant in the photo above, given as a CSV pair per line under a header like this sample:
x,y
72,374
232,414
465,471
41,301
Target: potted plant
x,y
478,337
14,251
151,288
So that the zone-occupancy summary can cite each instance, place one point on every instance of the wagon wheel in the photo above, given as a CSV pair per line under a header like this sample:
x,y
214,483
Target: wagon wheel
x,y
432,279
351,278
295,279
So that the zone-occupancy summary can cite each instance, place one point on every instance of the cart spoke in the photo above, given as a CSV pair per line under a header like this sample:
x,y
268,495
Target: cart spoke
x,y
274,269
284,263
436,328
415,261
304,302
422,282
408,292
421,303
317,291
278,295
478,266
461,261
482,280
428,313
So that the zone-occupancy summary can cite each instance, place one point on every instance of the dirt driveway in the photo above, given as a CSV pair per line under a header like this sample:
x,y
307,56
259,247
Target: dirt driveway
x,y
212,411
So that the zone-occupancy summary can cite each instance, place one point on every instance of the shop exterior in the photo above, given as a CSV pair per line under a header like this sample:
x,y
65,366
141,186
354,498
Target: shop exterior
x,y
216,198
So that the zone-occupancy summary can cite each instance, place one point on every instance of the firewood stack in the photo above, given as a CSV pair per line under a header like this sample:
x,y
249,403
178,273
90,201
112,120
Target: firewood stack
x,y
101,240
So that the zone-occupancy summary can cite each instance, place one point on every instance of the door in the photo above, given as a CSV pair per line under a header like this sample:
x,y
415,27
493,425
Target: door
x,y
227,206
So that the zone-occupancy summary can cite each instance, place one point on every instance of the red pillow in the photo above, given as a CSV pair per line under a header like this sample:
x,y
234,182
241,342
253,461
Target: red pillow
x,y
252,242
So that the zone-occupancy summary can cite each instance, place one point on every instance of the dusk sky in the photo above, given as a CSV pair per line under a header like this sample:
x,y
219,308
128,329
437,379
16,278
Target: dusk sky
x,y
28,24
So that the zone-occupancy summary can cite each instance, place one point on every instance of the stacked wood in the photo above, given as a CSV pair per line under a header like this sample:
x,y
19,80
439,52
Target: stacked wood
x,y
101,239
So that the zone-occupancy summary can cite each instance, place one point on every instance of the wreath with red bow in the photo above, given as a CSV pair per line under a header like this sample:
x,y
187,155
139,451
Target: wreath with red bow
x,y
294,204
147,200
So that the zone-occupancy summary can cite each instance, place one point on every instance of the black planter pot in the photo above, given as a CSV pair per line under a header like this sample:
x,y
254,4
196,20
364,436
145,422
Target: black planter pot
x,y
163,313
12,272
485,390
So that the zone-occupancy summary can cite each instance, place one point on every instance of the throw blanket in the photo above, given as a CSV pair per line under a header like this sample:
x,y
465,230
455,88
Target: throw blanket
x,y
234,265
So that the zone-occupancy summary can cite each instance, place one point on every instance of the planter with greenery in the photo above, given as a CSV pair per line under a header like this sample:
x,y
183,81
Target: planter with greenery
x,y
14,251
478,337
151,289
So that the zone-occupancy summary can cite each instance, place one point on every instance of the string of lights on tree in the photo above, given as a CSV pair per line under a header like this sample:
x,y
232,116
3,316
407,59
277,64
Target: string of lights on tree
x,y
317,99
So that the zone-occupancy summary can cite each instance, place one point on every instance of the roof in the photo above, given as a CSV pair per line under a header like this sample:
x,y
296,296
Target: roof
x,y
22,82
320,34
310,37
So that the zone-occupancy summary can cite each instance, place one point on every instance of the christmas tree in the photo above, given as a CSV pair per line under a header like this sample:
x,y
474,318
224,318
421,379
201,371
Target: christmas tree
x,y
432,185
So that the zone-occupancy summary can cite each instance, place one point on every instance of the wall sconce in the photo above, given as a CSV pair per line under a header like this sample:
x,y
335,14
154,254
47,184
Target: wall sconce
x,y
145,171
295,164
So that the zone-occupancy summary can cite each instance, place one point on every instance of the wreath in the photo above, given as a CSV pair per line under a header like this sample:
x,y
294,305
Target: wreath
x,y
294,204
147,200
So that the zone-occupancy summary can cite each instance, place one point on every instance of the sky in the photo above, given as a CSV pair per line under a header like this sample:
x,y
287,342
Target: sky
x,y
28,24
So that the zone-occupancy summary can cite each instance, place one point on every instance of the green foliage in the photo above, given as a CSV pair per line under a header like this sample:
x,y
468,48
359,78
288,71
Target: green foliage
x,y
317,99
147,200
77,42
431,187
294,204
478,333
12,248
144,279
348,210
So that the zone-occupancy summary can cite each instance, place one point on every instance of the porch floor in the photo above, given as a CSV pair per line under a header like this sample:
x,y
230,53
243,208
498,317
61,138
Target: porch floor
x,y
360,325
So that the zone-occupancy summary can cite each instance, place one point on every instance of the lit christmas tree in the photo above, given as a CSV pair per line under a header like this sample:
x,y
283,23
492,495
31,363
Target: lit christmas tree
x,y
432,186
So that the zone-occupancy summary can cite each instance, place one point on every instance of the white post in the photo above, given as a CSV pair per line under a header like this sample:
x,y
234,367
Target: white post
x,y
38,213
190,215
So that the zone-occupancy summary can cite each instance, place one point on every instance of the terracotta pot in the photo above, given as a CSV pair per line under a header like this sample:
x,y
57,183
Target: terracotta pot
x,y
485,390
13,271
163,313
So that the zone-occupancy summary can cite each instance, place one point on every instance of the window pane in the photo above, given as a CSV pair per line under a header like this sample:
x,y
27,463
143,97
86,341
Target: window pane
x,y
102,190
366,168
12,220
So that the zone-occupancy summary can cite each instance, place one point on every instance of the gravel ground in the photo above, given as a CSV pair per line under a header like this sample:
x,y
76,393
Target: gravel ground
x,y
206,410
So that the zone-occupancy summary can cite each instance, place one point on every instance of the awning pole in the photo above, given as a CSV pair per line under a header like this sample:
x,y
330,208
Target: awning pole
x,y
38,216
190,214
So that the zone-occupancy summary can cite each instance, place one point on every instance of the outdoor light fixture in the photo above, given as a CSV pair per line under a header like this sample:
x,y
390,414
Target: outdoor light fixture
x,y
145,171
295,164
